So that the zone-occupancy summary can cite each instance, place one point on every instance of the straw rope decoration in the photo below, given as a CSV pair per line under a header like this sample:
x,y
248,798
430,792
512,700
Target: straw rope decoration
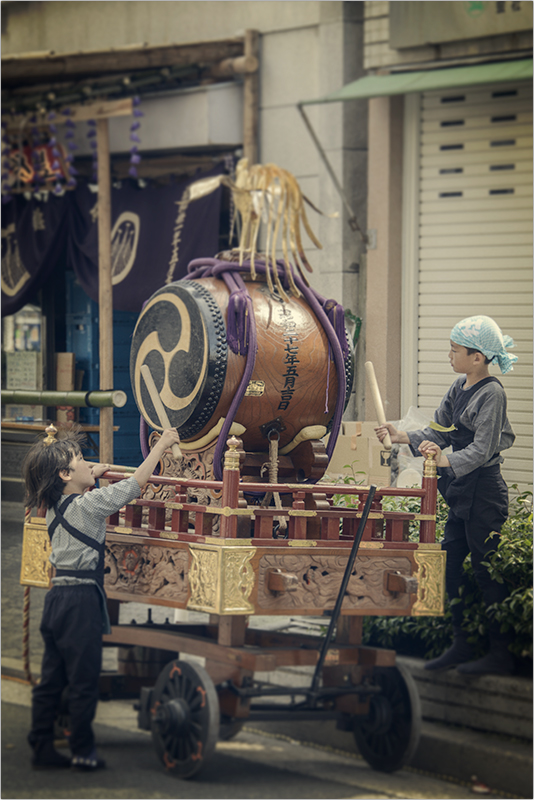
x,y
269,194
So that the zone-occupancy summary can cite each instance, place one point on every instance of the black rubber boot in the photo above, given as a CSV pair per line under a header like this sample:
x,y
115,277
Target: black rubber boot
x,y
499,661
459,652
45,756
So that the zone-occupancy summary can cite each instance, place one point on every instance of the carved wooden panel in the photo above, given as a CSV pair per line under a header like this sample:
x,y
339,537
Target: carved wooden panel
x,y
319,579
150,571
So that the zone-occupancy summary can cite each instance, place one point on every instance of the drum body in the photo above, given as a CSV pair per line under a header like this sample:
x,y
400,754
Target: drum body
x,y
181,336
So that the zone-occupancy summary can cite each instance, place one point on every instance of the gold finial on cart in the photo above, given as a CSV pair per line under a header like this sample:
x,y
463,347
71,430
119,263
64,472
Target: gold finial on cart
x,y
51,430
231,457
430,469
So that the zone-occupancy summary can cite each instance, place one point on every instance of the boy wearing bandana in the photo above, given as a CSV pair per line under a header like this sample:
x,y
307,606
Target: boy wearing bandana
x,y
473,412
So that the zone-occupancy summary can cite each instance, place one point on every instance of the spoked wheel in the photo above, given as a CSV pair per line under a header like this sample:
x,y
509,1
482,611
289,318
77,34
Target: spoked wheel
x,y
229,727
184,717
388,736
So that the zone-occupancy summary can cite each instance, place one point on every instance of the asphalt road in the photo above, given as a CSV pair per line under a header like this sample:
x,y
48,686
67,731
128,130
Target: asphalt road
x,y
253,765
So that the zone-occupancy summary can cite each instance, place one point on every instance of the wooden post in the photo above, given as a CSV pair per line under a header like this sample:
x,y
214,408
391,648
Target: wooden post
x,y
251,101
105,289
230,489
427,528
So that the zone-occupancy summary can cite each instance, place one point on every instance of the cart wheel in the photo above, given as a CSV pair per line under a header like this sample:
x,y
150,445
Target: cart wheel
x,y
388,736
229,727
184,717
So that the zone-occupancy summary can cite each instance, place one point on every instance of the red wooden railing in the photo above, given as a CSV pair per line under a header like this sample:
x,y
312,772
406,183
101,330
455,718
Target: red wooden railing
x,y
310,510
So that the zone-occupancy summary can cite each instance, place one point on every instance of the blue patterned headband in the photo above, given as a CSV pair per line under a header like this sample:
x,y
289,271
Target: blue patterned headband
x,y
483,334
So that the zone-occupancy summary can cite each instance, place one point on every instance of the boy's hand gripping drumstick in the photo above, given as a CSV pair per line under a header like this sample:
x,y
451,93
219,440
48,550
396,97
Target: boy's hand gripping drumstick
x,y
158,406
379,408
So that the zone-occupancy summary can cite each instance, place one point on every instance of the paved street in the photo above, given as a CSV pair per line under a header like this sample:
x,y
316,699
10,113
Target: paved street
x,y
253,765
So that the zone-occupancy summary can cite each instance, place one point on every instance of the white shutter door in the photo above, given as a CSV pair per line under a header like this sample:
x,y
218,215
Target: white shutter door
x,y
475,240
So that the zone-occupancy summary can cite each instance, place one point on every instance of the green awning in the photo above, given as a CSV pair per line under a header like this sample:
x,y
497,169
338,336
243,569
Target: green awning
x,y
432,79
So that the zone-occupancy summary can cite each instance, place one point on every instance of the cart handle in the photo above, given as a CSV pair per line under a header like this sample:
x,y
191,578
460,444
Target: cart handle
x,y
342,589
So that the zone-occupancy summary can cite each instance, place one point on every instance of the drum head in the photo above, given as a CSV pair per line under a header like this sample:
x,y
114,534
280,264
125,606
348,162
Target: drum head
x,y
181,336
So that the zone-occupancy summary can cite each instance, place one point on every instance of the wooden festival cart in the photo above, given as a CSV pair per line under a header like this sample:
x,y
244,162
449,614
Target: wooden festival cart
x,y
339,559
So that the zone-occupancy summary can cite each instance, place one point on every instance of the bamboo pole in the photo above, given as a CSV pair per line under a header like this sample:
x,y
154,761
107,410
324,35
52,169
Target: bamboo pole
x,y
116,398
251,101
105,289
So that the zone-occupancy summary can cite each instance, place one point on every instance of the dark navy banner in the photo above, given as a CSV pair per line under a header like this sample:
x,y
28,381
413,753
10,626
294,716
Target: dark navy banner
x,y
155,232
34,235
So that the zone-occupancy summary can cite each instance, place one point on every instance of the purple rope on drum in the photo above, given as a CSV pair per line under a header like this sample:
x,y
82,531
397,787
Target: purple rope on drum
x,y
242,337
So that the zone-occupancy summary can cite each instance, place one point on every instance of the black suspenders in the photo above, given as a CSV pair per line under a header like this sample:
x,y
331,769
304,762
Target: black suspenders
x,y
98,573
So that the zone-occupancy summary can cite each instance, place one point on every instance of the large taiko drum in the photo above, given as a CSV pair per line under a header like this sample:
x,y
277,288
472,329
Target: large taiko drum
x,y
181,335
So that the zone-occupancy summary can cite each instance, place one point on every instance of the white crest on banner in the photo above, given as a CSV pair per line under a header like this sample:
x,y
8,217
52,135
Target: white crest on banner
x,y
14,273
124,240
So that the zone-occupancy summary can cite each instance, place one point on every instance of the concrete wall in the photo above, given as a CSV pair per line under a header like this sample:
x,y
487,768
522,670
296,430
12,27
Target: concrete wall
x,y
307,49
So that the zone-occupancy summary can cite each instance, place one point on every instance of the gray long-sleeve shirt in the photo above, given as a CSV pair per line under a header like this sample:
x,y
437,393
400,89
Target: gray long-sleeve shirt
x,y
485,415
88,514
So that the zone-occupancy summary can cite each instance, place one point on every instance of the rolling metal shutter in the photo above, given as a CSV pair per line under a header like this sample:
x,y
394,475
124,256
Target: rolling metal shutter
x,y
474,252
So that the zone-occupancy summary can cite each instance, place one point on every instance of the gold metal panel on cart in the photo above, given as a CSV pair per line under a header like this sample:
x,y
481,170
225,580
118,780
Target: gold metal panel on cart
x,y
36,549
221,578
431,576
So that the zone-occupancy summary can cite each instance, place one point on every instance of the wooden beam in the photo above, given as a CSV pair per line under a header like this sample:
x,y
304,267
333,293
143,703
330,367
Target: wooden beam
x,y
32,67
105,288
251,101
79,113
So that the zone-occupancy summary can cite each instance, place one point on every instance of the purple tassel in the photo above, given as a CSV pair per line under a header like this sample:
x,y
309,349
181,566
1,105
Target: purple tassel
x,y
66,112
56,164
91,133
132,172
69,134
135,126
336,315
53,128
135,159
55,152
237,333
136,100
52,115
72,170
134,137
138,113
93,144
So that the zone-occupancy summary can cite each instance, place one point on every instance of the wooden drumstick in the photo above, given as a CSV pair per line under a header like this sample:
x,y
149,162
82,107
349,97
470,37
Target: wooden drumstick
x,y
158,406
379,408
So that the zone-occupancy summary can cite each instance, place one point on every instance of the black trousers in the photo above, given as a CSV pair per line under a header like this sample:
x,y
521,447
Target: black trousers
x,y
72,631
488,513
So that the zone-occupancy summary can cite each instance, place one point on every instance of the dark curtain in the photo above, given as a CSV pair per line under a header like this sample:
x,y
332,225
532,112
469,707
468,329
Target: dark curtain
x,y
156,232
34,235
